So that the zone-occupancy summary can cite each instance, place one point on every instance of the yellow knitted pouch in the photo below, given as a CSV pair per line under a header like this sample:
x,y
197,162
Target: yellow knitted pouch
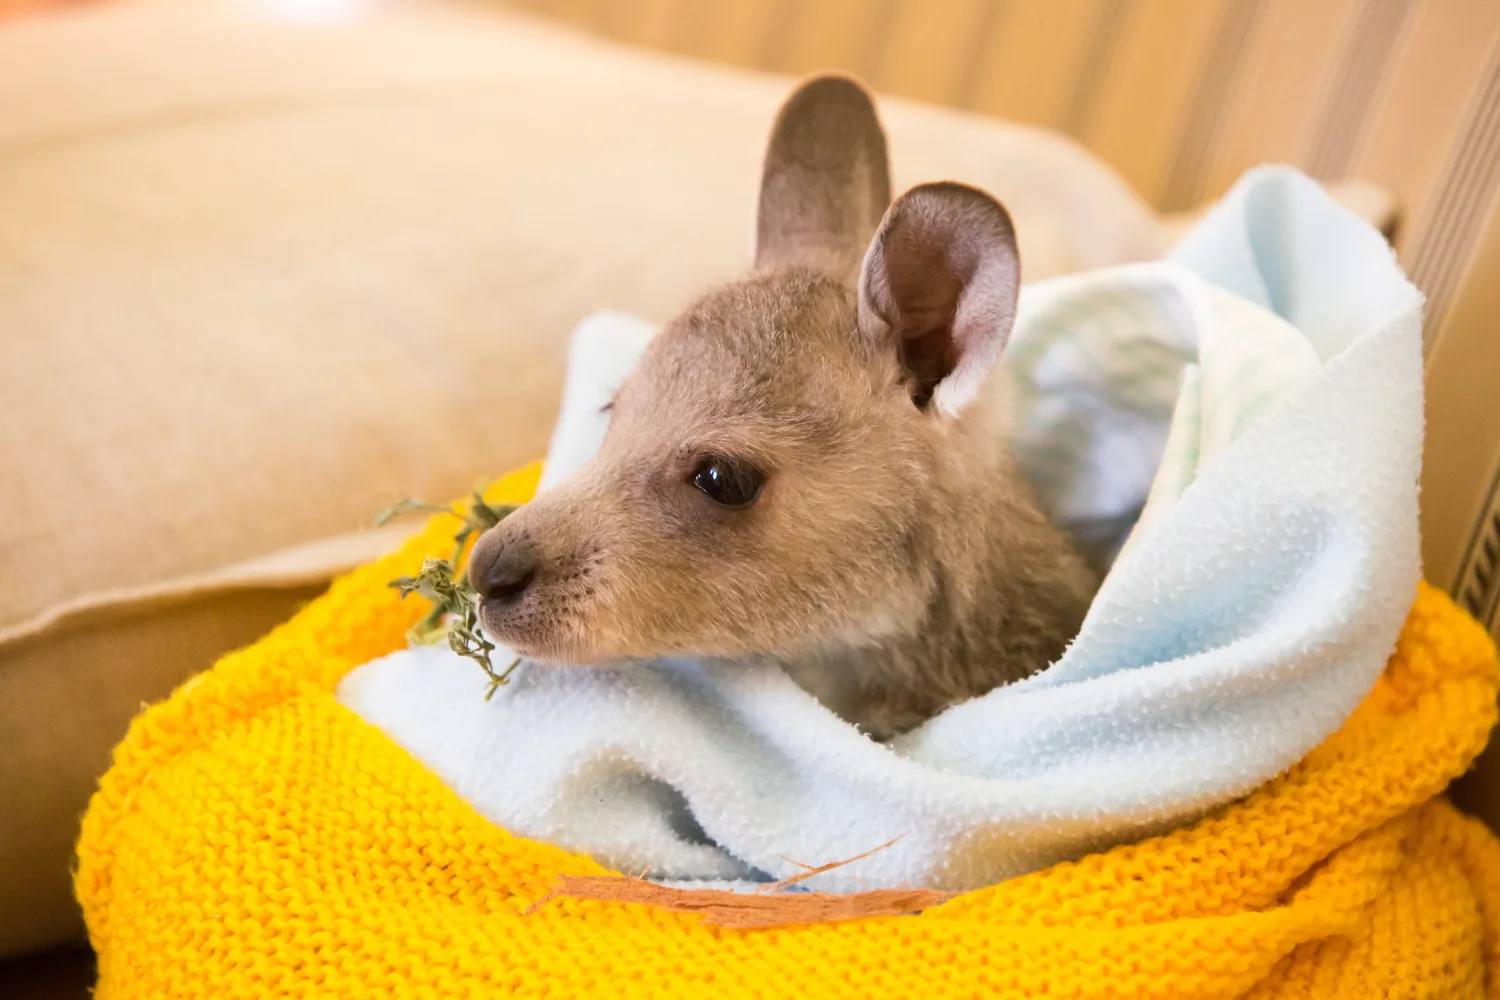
x,y
256,839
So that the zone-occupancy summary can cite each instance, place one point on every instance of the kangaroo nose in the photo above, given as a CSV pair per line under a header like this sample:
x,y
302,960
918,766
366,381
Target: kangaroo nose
x,y
500,569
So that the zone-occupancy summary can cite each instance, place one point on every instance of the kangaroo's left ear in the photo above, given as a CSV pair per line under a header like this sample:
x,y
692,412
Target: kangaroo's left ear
x,y
939,285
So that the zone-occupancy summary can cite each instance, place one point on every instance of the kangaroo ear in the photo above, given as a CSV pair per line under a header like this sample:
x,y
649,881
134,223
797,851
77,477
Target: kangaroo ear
x,y
939,285
825,182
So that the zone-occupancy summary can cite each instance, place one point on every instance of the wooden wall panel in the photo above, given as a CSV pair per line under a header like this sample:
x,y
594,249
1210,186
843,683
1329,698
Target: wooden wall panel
x,y
830,34
917,30
657,24
1461,466
1359,60
741,32
1272,114
1144,99
1430,79
1211,101
1031,58
1463,428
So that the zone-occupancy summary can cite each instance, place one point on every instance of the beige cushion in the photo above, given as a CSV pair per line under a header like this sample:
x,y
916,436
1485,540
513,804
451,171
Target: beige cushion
x,y
259,279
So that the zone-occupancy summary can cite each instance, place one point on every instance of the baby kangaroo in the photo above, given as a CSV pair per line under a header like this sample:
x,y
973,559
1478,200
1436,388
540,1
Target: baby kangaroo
x,y
810,464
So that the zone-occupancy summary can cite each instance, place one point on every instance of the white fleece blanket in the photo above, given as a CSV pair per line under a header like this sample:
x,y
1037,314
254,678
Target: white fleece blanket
x,y
1259,395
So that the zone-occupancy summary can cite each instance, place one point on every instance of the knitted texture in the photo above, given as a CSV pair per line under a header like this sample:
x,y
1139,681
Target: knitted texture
x,y
255,839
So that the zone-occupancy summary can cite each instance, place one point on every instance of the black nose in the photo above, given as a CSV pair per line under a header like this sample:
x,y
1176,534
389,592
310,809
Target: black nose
x,y
501,568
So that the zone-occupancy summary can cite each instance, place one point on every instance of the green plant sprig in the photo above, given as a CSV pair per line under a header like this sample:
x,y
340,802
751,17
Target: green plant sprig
x,y
455,605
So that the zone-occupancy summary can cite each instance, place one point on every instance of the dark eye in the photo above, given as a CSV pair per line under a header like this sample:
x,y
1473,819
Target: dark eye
x,y
727,481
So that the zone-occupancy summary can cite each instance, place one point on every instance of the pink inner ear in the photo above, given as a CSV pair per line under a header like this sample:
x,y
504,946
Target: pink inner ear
x,y
940,279
921,276
930,355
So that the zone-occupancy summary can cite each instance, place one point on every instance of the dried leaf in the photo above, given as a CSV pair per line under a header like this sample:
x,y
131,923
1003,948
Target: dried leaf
x,y
455,606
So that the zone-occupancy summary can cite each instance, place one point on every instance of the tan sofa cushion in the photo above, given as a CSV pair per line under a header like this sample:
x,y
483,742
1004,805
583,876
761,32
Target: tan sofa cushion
x,y
259,279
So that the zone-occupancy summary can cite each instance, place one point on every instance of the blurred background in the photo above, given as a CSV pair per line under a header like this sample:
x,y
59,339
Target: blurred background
x,y
266,265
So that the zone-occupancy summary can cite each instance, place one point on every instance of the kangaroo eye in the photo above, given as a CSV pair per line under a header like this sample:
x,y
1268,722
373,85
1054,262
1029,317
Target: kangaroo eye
x,y
728,482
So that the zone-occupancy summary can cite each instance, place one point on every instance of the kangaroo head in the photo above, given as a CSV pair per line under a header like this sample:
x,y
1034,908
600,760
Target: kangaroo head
x,y
775,466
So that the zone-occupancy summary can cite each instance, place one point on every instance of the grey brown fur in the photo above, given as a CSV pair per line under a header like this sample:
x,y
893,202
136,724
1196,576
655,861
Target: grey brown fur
x,y
895,560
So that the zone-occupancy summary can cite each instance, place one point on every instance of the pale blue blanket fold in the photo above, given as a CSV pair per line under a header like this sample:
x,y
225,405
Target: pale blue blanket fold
x,y
1258,396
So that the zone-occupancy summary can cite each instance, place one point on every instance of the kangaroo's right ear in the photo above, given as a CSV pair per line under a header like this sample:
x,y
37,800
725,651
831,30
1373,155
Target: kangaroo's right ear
x,y
826,184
